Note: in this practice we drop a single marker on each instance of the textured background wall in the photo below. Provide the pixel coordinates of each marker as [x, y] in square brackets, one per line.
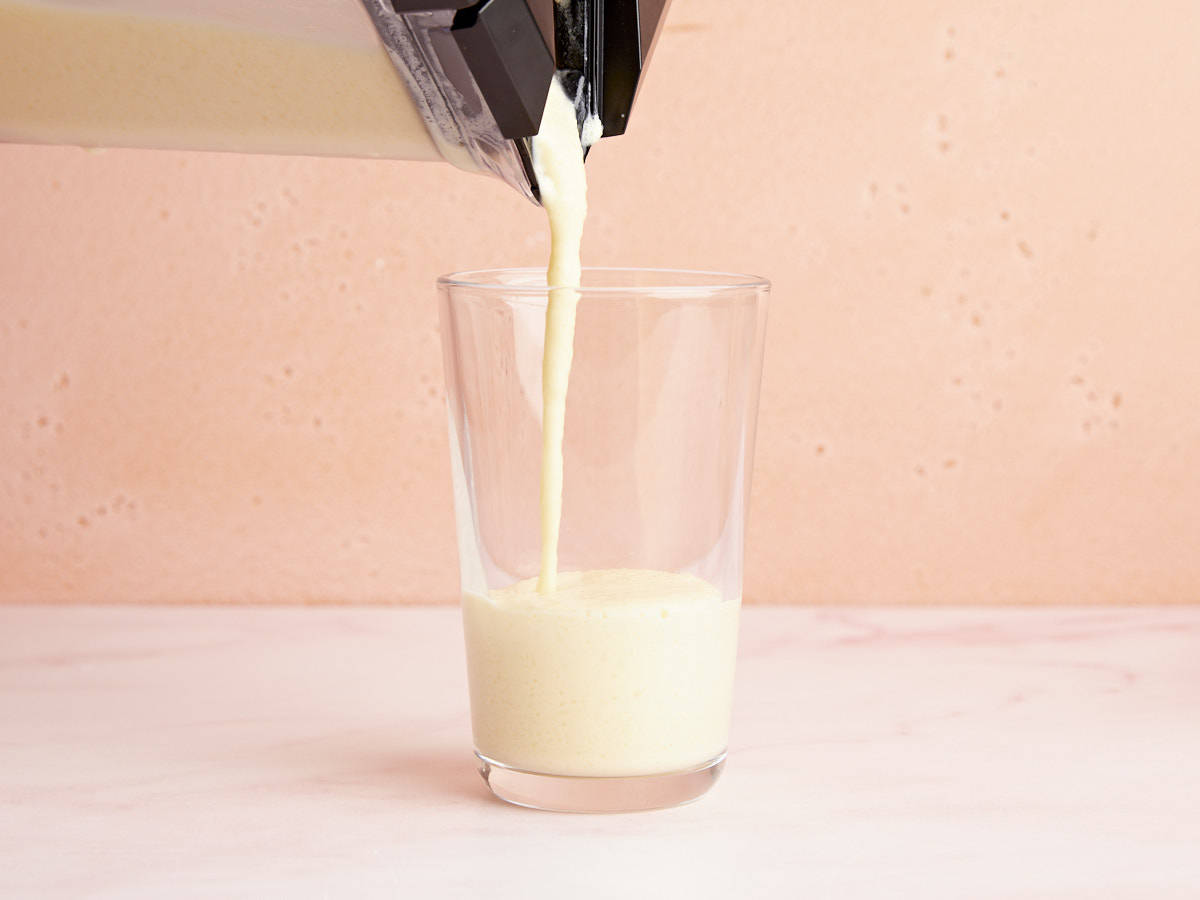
[220, 377]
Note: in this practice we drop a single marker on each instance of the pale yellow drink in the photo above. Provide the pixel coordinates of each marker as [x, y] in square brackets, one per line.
[598, 673]
[617, 673]
[562, 182]
[118, 73]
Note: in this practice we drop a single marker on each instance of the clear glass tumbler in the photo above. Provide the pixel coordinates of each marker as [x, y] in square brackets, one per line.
[614, 692]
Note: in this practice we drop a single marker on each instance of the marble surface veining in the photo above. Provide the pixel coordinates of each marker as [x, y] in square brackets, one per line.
[153, 752]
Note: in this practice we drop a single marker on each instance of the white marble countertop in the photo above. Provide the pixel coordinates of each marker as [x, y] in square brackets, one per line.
[159, 752]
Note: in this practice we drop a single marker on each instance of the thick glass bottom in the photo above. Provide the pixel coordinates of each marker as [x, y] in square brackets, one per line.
[572, 793]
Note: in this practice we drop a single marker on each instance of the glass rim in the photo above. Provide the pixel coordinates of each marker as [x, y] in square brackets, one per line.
[660, 281]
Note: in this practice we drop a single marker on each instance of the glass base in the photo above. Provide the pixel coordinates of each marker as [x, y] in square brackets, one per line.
[581, 794]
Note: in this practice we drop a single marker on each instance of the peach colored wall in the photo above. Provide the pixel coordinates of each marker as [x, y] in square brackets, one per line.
[220, 377]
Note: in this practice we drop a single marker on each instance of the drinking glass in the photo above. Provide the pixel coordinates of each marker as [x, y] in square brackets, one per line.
[614, 692]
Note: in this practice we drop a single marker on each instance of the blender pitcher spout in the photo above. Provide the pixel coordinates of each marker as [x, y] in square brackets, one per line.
[463, 81]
